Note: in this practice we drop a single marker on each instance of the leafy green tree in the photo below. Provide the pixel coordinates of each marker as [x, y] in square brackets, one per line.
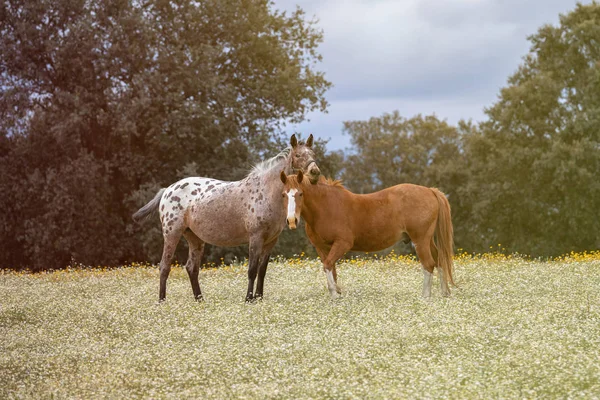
[534, 164]
[390, 149]
[101, 103]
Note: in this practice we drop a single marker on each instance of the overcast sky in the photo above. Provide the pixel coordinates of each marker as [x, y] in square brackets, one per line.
[448, 57]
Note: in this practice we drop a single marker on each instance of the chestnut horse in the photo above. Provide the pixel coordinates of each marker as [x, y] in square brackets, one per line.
[205, 210]
[338, 221]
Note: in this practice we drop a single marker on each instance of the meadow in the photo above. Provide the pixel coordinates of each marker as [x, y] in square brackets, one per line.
[515, 328]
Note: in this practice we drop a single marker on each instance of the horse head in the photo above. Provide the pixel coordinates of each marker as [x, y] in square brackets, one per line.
[293, 197]
[303, 158]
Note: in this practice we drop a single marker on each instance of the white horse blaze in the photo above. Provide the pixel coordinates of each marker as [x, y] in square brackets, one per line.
[291, 211]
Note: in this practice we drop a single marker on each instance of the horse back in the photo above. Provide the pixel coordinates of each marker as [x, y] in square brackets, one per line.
[380, 219]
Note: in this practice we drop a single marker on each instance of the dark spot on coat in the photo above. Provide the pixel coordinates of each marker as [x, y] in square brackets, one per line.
[210, 187]
[170, 223]
[162, 208]
[184, 185]
[260, 197]
[169, 194]
[176, 198]
[197, 184]
[252, 209]
[177, 187]
[194, 193]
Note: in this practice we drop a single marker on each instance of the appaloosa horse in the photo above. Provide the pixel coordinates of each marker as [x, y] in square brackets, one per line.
[220, 213]
[338, 221]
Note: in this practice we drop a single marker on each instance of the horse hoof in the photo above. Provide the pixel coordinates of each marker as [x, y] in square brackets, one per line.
[200, 299]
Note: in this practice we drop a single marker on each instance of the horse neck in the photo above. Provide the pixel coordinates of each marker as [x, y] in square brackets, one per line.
[270, 178]
[314, 198]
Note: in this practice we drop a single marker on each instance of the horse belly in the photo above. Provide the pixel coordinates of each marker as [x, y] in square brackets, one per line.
[379, 233]
[218, 222]
[375, 242]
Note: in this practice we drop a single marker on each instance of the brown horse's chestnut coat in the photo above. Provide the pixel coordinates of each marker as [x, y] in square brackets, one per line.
[338, 221]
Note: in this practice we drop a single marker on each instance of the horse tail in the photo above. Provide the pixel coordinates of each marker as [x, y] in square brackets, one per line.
[150, 208]
[444, 236]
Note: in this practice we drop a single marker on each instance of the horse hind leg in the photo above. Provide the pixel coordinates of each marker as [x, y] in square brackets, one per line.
[196, 250]
[171, 240]
[443, 281]
[428, 263]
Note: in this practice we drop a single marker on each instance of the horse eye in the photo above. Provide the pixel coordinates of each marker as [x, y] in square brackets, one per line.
[301, 194]
[282, 194]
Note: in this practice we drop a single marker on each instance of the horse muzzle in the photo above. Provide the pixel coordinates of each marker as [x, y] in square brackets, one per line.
[292, 222]
[313, 173]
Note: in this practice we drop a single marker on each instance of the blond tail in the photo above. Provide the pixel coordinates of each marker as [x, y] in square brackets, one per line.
[444, 236]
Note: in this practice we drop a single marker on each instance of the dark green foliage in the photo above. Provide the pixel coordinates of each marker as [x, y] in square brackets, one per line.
[392, 150]
[534, 165]
[102, 103]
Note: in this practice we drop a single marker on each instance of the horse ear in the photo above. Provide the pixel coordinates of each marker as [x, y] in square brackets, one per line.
[294, 141]
[309, 142]
[300, 177]
[283, 177]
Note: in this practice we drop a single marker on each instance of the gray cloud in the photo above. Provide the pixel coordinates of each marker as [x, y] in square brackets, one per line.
[453, 55]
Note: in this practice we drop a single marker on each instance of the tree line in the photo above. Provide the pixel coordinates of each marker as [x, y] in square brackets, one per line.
[102, 103]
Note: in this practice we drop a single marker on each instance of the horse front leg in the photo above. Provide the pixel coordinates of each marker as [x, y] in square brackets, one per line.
[338, 249]
[256, 246]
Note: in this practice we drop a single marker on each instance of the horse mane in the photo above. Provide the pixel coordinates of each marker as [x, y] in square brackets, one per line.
[331, 182]
[271, 162]
[293, 182]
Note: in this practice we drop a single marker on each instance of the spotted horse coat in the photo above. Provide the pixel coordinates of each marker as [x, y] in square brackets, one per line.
[222, 213]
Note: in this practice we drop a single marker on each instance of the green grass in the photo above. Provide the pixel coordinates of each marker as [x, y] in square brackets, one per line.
[515, 329]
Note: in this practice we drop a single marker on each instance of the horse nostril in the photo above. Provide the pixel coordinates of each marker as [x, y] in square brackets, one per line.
[296, 221]
[287, 221]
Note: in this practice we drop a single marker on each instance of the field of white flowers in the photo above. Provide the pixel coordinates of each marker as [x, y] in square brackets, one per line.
[514, 329]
